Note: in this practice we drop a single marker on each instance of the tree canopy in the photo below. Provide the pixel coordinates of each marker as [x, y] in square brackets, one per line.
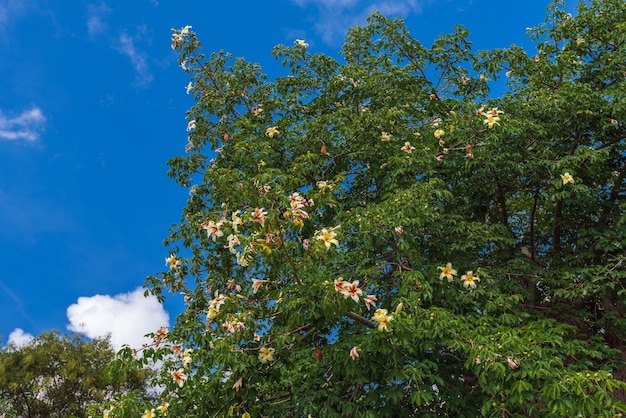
[380, 235]
[60, 376]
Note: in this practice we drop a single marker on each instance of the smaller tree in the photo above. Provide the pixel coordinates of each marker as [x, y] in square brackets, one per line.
[60, 376]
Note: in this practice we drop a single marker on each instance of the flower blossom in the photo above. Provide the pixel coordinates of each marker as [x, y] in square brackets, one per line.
[217, 301]
[354, 352]
[163, 408]
[189, 87]
[266, 354]
[513, 363]
[382, 318]
[271, 131]
[172, 261]
[447, 272]
[469, 280]
[256, 283]
[179, 377]
[567, 178]
[191, 125]
[385, 137]
[339, 284]
[161, 334]
[259, 216]
[328, 237]
[238, 384]
[233, 241]
[407, 147]
[439, 133]
[148, 413]
[491, 120]
[301, 43]
[370, 301]
[257, 110]
[213, 229]
[187, 358]
[351, 290]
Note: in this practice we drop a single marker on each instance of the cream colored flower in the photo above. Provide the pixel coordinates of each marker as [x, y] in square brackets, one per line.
[351, 290]
[382, 318]
[272, 131]
[370, 301]
[301, 43]
[179, 377]
[256, 283]
[354, 352]
[447, 272]
[257, 110]
[385, 137]
[469, 280]
[172, 261]
[328, 237]
[238, 384]
[266, 354]
[191, 125]
[491, 120]
[259, 215]
[439, 133]
[567, 178]
[408, 148]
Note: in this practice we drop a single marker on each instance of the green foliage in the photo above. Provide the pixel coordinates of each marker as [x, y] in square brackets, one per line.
[325, 205]
[60, 376]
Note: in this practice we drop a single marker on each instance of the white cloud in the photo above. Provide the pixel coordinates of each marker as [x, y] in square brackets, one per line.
[126, 44]
[19, 338]
[334, 17]
[26, 126]
[126, 317]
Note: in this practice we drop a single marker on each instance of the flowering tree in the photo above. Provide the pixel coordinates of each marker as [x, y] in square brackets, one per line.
[60, 376]
[380, 236]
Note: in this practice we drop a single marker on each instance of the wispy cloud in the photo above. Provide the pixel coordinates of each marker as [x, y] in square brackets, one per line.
[26, 126]
[334, 17]
[126, 45]
[10, 10]
[96, 15]
[126, 317]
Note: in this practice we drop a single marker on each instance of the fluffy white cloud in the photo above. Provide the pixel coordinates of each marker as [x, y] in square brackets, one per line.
[334, 17]
[26, 126]
[126, 317]
[19, 338]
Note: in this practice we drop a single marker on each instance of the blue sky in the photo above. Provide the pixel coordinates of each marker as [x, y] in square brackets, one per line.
[92, 105]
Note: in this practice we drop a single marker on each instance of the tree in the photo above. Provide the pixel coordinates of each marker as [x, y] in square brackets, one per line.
[60, 376]
[381, 236]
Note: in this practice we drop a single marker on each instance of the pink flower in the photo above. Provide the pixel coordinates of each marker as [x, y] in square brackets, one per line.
[259, 216]
[370, 301]
[339, 284]
[238, 384]
[179, 377]
[256, 283]
[354, 352]
[352, 290]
